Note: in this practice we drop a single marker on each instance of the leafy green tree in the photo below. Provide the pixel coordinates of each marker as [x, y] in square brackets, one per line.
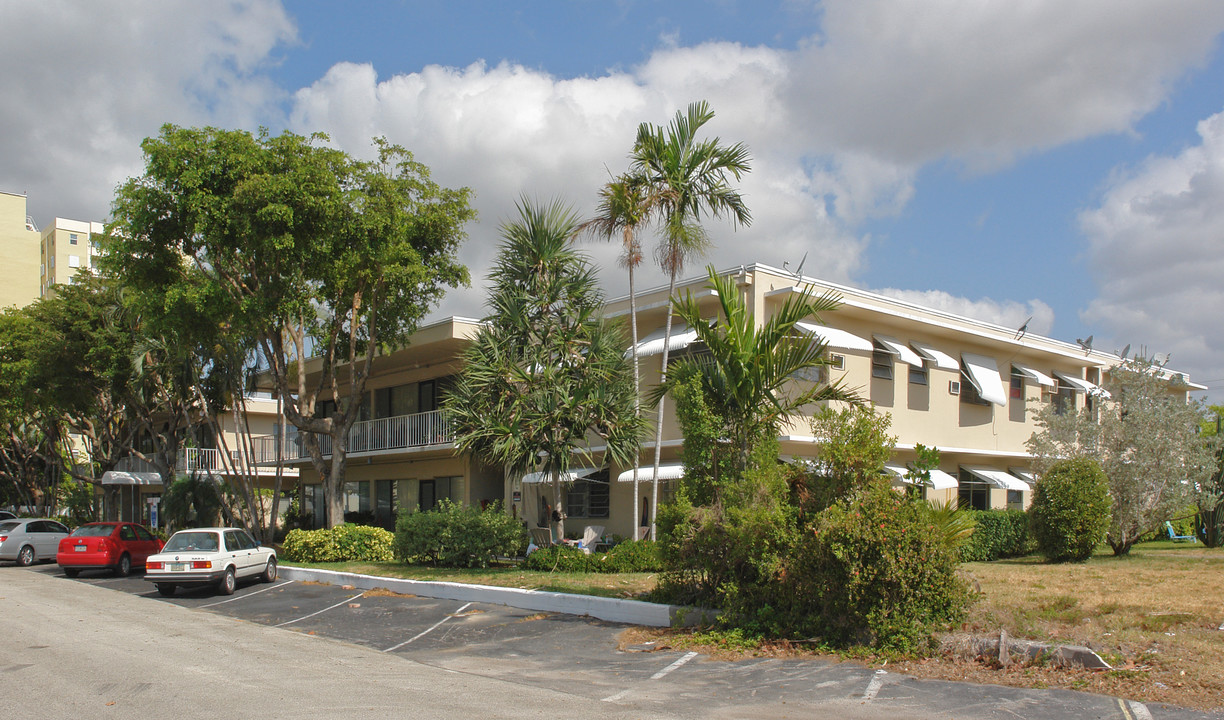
[624, 208]
[314, 258]
[1145, 437]
[685, 178]
[750, 375]
[546, 375]
[853, 445]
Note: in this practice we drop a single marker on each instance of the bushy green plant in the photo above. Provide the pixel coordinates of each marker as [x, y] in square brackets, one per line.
[1071, 510]
[626, 557]
[344, 543]
[954, 525]
[873, 570]
[997, 534]
[454, 536]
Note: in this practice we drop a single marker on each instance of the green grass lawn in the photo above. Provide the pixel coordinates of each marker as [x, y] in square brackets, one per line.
[623, 585]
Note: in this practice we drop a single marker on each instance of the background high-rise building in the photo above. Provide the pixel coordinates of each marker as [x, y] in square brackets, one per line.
[68, 246]
[19, 249]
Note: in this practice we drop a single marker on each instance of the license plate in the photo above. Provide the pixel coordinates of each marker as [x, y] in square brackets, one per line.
[79, 548]
[176, 567]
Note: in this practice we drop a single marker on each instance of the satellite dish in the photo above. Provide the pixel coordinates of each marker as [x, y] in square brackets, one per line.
[1124, 352]
[799, 270]
[1023, 328]
[1086, 344]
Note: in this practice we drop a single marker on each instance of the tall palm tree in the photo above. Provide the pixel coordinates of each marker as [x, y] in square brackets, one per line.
[748, 377]
[685, 178]
[623, 211]
[546, 372]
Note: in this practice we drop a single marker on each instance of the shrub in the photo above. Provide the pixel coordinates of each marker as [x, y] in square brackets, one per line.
[632, 556]
[345, 543]
[454, 536]
[997, 534]
[1071, 510]
[873, 570]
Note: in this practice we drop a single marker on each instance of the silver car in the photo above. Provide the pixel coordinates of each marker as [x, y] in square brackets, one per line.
[30, 540]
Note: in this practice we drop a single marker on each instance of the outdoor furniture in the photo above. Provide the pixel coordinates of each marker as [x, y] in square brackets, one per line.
[1178, 538]
[541, 537]
[590, 537]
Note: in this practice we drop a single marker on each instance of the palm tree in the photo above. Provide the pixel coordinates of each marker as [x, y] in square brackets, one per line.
[546, 372]
[685, 178]
[623, 210]
[748, 377]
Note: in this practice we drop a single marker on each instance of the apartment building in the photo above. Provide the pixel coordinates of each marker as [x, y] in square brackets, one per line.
[67, 247]
[19, 247]
[965, 387]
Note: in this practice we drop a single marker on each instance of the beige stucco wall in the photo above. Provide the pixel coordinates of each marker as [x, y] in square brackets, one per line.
[19, 253]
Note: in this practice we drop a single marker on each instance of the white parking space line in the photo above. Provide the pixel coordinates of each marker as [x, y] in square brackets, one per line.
[423, 633]
[320, 612]
[873, 687]
[247, 595]
[662, 673]
[673, 666]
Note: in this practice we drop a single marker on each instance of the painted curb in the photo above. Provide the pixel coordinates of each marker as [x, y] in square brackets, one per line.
[631, 612]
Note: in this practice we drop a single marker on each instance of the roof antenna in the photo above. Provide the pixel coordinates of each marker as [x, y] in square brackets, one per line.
[1023, 328]
[799, 270]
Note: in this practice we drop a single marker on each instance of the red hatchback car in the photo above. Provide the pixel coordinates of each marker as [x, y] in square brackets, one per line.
[114, 545]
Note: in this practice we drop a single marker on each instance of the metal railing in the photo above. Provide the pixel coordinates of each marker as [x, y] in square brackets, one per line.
[210, 460]
[393, 433]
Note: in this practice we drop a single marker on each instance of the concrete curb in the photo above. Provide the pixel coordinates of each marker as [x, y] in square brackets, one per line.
[632, 612]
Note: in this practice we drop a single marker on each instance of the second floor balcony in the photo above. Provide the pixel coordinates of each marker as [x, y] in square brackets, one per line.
[401, 432]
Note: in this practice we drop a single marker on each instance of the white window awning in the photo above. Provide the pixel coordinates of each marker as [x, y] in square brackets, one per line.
[998, 478]
[667, 471]
[939, 358]
[1037, 375]
[1024, 475]
[940, 480]
[983, 372]
[681, 337]
[118, 477]
[899, 350]
[836, 339]
[1082, 385]
[571, 476]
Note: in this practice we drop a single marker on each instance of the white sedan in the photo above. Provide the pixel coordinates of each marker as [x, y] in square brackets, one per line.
[206, 556]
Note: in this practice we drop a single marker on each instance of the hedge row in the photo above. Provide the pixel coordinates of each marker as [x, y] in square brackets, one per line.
[455, 536]
[344, 543]
[997, 534]
[631, 556]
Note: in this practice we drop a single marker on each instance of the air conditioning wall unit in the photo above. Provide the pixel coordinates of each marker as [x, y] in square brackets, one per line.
[954, 387]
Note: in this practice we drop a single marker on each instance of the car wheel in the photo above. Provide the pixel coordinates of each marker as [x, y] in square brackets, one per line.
[166, 589]
[228, 582]
[71, 572]
[269, 573]
[124, 568]
[25, 556]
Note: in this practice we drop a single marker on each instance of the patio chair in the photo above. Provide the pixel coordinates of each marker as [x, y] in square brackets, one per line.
[541, 537]
[590, 536]
[1178, 538]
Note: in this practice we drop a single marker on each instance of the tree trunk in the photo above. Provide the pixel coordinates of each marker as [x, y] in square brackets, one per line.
[658, 449]
[560, 514]
[637, 402]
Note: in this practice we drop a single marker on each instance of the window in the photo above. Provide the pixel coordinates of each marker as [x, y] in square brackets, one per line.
[811, 374]
[881, 365]
[356, 502]
[918, 374]
[1017, 386]
[588, 498]
[1015, 500]
[837, 362]
[74, 261]
[972, 493]
[969, 394]
[1063, 399]
[72, 238]
[396, 401]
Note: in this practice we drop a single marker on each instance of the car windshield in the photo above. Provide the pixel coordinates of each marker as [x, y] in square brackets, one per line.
[5, 527]
[191, 541]
[93, 531]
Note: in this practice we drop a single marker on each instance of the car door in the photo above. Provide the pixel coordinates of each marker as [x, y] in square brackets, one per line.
[240, 547]
[53, 532]
[144, 545]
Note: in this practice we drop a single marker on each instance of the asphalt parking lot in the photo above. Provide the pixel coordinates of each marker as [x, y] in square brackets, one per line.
[580, 656]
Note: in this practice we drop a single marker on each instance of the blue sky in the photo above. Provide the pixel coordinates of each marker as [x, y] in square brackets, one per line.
[1057, 160]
